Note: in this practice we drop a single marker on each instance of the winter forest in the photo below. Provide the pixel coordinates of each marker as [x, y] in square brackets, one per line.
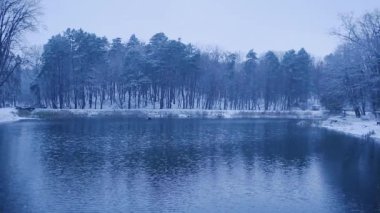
[81, 70]
[78, 69]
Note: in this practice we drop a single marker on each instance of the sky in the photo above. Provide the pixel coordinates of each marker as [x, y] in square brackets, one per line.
[231, 25]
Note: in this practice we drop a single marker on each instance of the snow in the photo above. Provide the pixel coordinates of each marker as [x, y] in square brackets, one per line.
[174, 113]
[8, 115]
[365, 127]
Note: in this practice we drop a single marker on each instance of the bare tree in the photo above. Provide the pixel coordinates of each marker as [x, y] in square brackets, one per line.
[16, 18]
[362, 36]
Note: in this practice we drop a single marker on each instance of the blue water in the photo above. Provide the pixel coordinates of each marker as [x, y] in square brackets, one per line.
[175, 165]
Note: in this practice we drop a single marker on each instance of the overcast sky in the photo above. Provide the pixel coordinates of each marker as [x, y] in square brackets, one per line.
[233, 25]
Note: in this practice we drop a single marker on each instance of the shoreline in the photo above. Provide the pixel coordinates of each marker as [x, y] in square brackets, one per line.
[174, 113]
[9, 115]
[363, 128]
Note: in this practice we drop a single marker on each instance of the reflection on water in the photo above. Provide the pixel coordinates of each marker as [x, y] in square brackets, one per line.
[173, 165]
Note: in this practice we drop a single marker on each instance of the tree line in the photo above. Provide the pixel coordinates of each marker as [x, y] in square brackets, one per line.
[82, 70]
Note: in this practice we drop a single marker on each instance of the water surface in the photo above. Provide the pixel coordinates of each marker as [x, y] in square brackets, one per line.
[175, 165]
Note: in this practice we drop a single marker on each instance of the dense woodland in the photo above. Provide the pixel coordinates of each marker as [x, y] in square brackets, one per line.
[78, 69]
[81, 70]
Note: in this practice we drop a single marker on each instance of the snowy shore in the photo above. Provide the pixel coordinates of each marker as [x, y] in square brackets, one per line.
[365, 127]
[360, 127]
[11, 114]
[173, 113]
[8, 115]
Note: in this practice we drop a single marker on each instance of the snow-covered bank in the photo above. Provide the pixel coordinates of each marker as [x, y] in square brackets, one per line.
[359, 127]
[8, 115]
[173, 113]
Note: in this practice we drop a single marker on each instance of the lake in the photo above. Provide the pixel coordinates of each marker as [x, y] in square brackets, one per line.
[184, 165]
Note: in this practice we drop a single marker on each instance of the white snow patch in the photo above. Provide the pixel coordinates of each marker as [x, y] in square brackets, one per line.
[8, 115]
[365, 127]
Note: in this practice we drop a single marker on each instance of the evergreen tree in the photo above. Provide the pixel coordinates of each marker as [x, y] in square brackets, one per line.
[270, 68]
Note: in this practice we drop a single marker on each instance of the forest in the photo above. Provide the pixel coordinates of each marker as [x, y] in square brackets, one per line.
[79, 70]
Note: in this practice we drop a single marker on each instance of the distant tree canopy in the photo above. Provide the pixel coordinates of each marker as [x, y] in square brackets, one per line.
[81, 70]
